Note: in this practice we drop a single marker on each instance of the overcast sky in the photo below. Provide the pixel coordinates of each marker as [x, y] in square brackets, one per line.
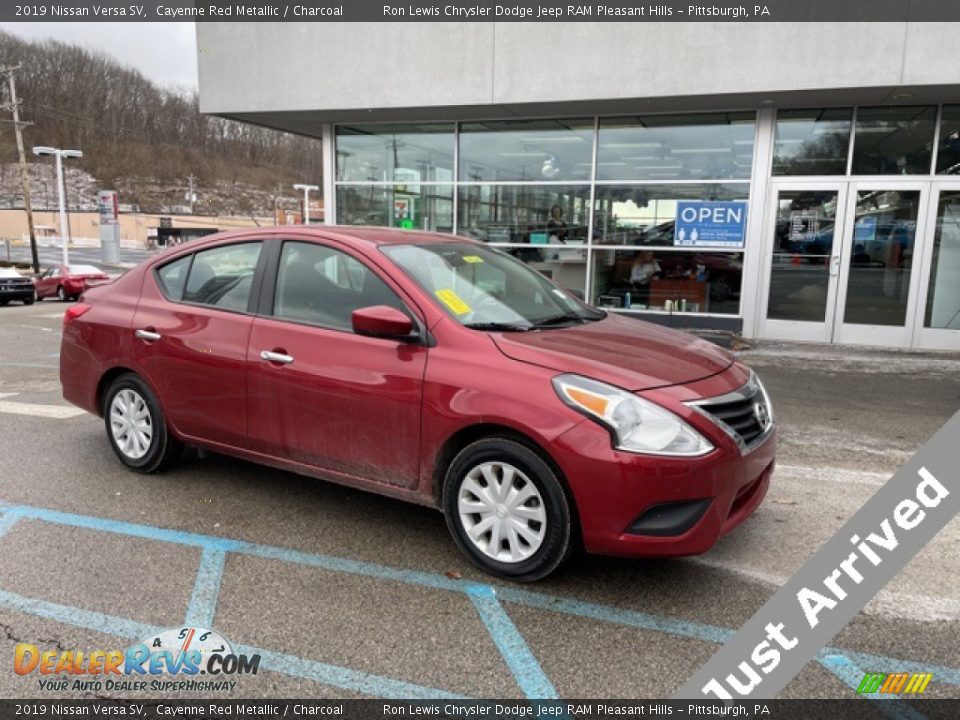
[164, 52]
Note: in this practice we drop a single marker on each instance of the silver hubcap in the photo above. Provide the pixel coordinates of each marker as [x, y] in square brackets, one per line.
[131, 424]
[502, 512]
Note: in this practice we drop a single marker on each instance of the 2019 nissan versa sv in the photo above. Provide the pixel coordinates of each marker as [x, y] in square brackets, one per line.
[432, 369]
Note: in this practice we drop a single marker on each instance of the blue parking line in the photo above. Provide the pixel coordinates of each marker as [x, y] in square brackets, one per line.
[510, 594]
[206, 589]
[7, 521]
[890, 705]
[292, 665]
[516, 653]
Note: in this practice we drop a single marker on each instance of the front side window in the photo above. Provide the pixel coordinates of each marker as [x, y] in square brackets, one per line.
[487, 289]
[322, 286]
[222, 277]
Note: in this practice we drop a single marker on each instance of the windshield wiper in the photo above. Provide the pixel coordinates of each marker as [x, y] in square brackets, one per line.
[498, 326]
[561, 318]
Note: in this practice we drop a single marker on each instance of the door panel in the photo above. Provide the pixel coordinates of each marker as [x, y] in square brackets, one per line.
[346, 403]
[938, 311]
[323, 395]
[194, 353]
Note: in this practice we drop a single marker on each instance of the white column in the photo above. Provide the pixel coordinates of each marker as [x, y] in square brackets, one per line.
[329, 170]
[754, 263]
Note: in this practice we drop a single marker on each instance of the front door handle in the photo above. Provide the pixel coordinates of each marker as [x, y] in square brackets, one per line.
[276, 357]
[148, 335]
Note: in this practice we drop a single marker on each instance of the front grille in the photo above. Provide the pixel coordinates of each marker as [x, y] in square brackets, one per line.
[744, 413]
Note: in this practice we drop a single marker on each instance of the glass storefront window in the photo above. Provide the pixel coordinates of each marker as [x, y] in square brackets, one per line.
[948, 150]
[414, 207]
[678, 147]
[668, 280]
[531, 150]
[403, 152]
[943, 296]
[528, 214]
[881, 257]
[646, 214]
[894, 140]
[812, 142]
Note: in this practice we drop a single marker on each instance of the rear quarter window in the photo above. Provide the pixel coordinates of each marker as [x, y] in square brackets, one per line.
[173, 276]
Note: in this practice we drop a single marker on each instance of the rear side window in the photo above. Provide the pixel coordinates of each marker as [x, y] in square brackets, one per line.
[173, 277]
[222, 277]
[322, 286]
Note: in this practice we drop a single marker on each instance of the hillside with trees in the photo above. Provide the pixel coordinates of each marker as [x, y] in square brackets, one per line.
[141, 139]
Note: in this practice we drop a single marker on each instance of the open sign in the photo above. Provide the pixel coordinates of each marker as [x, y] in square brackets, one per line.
[710, 223]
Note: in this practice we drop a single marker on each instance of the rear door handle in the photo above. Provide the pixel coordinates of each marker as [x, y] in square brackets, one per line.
[148, 335]
[276, 357]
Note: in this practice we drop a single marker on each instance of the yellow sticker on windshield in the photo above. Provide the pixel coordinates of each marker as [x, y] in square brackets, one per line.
[472, 259]
[453, 301]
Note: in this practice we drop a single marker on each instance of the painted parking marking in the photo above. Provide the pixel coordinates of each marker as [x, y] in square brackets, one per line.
[292, 665]
[509, 594]
[206, 588]
[513, 648]
[56, 412]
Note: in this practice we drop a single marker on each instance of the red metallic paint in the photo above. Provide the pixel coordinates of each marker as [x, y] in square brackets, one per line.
[377, 413]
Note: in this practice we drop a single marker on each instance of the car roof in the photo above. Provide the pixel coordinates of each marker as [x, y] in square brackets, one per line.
[349, 234]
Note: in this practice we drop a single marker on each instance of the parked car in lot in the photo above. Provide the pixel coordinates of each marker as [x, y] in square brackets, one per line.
[67, 282]
[433, 369]
[14, 286]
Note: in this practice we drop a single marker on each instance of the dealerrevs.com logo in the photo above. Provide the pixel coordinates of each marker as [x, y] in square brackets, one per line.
[170, 661]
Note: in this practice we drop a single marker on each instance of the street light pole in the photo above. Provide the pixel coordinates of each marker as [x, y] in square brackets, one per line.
[306, 199]
[60, 155]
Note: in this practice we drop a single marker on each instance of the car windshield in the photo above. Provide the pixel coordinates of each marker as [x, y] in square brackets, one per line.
[84, 270]
[486, 289]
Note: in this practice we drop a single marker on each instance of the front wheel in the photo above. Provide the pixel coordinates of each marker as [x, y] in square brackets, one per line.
[136, 427]
[62, 294]
[506, 510]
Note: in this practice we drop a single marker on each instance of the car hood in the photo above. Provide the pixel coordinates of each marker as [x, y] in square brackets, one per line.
[631, 354]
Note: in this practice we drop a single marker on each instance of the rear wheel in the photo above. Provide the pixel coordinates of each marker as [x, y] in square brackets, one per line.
[29, 300]
[136, 427]
[62, 294]
[506, 510]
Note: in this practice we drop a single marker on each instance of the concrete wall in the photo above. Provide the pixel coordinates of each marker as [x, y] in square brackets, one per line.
[337, 71]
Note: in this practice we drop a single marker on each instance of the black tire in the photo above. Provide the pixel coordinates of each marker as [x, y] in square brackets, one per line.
[62, 294]
[557, 538]
[164, 449]
[3, 303]
[29, 300]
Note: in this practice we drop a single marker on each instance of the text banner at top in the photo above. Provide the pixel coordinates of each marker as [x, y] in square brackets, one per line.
[480, 11]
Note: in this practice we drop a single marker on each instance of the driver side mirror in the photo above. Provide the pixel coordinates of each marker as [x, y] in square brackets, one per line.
[383, 321]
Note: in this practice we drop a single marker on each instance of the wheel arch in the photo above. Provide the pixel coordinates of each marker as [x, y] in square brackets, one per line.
[481, 431]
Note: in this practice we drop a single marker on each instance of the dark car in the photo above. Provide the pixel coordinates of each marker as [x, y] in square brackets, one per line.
[14, 286]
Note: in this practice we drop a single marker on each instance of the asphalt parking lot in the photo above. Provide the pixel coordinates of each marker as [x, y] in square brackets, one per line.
[346, 594]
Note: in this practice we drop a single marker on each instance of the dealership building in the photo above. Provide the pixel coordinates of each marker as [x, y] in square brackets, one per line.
[796, 181]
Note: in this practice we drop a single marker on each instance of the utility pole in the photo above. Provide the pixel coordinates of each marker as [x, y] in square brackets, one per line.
[24, 175]
[190, 196]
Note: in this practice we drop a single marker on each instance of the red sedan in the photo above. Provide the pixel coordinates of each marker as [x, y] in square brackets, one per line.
[67, 282]
[432, 369]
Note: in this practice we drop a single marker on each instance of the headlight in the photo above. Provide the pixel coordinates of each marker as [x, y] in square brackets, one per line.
[637, 425]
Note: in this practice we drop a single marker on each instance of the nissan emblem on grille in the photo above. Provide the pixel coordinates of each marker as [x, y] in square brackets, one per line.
[763, 416]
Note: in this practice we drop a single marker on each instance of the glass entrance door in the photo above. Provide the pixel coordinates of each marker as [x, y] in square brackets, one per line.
[878, 286]
[938, 309]
[841, 262]
[803, 261]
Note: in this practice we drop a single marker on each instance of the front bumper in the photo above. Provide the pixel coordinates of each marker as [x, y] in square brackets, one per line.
[647, 506]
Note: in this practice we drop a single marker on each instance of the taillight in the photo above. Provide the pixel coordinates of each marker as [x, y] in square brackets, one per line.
[75, 311]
